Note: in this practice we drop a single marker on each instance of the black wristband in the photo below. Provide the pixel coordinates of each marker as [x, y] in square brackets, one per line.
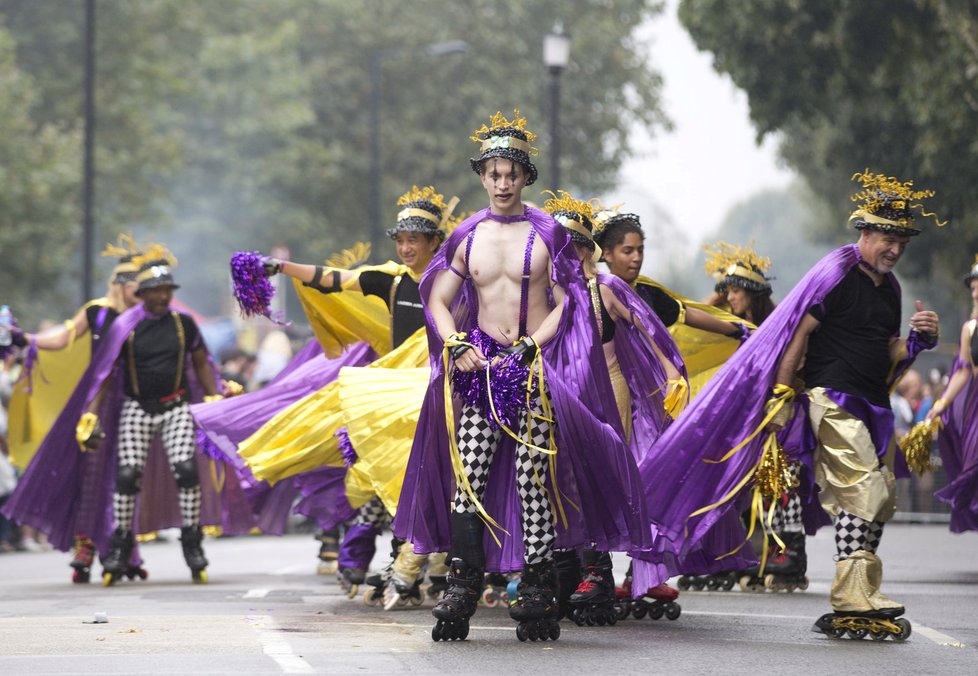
[317, 279]
[525, 348]
[458, 350]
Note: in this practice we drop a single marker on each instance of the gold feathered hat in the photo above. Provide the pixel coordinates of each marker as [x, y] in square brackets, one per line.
[732, 265]
[156, 265]
[887, 204]
[125, 250]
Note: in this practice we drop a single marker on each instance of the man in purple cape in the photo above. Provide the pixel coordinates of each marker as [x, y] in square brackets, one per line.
[844, 317]
[508, 322]
[98, 406]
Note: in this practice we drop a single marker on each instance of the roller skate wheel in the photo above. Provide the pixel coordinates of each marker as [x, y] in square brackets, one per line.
[416, 600]
[729, 582]
[200, 577]
[327, 568]
[489, 598]
[656, 611]
[463, 631]
[522, 633]
[684, 583]
[554, 631]
[712, 583]
[108, 579]
[878, 635]
[640, 610]
[371, 598]
[905, 629]
[577, 615]
[857, 634]
[744, 583]
[769, 581]
[81, 576]
[533, 632]
[673, 611]
[436, 631]
[623, 609]
[803, 585]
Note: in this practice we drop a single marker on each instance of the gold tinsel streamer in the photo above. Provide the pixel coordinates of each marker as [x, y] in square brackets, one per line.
[416, 194]
[566, 202]
[916, 445]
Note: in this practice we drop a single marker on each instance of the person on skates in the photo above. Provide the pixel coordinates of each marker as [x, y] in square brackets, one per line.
[513, 343]
[840, 327]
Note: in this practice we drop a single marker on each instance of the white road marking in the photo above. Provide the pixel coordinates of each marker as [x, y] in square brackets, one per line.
[937, 637]
[277, 647]
[256, 593]
[289, 570]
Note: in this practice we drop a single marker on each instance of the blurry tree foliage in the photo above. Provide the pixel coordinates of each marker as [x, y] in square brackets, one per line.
[239, 124]
[891, 85]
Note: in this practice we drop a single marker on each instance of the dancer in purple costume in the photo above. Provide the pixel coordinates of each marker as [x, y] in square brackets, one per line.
[114, 428]
[844, 317]
[958, 407]
[539, 443]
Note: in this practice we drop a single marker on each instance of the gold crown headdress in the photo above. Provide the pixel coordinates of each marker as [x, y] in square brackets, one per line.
[888, 204]
[426, 194]
[154, 263]
[725, 260]
[563, 206]
[126, 250]
[484, 135]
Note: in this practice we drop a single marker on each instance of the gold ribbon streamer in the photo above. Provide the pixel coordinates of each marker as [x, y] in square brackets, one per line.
[217, 478]
[677, 397]
[460, 476]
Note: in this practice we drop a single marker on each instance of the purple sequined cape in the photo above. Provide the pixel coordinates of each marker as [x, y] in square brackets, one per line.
[595, 470]
[725, 412]
[959, 453]
[65, 492]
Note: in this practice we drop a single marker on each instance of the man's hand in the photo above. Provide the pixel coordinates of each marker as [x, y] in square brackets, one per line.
[88, 432]
[272, 266]
[784, 397]
[466, 357]
[925, 322]
[525, 349]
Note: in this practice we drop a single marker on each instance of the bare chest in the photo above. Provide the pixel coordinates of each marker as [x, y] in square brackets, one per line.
[504, 253]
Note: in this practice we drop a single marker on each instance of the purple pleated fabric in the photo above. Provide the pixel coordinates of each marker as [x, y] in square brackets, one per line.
[323, 498]
[959, 452]
[65, 491]
[594, 469]
[725, 412]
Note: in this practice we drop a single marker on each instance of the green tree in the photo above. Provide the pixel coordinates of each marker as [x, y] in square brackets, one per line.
[891, 85]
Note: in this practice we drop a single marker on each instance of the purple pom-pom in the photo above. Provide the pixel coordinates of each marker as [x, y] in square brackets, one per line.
[508, 384]
[251, 286]
[346, 447]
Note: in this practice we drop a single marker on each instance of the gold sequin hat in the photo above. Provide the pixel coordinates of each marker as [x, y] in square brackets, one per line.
[887, 204]
[739, 266]
[155, 268]
[423, 211]
[575, 216]
[126, 250]
[505, 138]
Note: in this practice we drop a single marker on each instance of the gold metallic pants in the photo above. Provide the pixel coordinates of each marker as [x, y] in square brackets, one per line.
[622, 398]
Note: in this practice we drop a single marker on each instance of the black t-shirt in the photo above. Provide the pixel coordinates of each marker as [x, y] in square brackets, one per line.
[850, 350]
[156, 349]
[97, 328]
[407, 315]
[974, 345]
[662, 304]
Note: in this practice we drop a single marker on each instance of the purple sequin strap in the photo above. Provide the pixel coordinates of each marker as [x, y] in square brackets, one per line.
[525, 285]
[509, 219]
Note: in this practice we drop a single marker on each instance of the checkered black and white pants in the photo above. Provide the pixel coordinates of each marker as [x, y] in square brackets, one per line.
[853, 534]
[372, 513]
[136, 431]
[477, 444]
[788, 514]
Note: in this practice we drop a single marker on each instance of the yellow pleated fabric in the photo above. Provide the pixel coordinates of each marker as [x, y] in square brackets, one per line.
[380, 410]
[341, 319]
[301, 437]
[31, 414]
[703, 352]
[359, 490]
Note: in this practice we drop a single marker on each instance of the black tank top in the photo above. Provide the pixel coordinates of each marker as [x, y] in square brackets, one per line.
[974, 343]
[607, 325]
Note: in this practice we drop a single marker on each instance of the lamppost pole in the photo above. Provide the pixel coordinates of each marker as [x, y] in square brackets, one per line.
[376, 177]
[556, 56]
[88, 166]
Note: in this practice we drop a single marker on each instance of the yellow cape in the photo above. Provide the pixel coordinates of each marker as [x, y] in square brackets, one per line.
[703, 352]
[31, 414]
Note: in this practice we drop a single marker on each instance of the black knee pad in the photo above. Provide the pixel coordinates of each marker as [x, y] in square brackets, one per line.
[186, 474]
[127, 480]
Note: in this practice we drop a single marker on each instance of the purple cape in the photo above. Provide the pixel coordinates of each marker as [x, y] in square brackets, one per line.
[65, 492]
[594, 469]
[959, 452]
[225, 424]
[726, 411]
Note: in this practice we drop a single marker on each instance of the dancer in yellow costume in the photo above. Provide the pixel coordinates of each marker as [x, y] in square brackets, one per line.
[376, 418]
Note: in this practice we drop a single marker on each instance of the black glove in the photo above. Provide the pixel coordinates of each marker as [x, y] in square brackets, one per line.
[459, 349]
[272, 266]
[741, 331]
[525, 348]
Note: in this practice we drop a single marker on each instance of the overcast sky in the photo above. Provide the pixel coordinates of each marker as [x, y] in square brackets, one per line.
[709, 163]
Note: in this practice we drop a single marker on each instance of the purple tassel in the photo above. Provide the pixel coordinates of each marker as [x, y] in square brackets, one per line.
[251, 286]
[208, 447]
[346, 447]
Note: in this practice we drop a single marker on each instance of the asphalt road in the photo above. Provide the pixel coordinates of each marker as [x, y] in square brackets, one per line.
[265, 611]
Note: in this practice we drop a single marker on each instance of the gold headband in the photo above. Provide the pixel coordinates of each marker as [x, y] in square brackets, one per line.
[863, 215]
[409, 212]
[506, 142]
[736, 270]
[577, 227]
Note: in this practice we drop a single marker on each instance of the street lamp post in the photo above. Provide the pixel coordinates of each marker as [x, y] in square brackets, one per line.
[377, 57]
[556, 55]
[88, 163]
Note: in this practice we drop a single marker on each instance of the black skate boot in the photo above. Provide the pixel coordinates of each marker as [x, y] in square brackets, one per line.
[785, 571]
[593, 602]
[535, 607]
[193, 553]
[82, 562]
[376, 582]
[458, 603]
[116, 562]
[568, 566]
[437, 584]
[329, 552]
